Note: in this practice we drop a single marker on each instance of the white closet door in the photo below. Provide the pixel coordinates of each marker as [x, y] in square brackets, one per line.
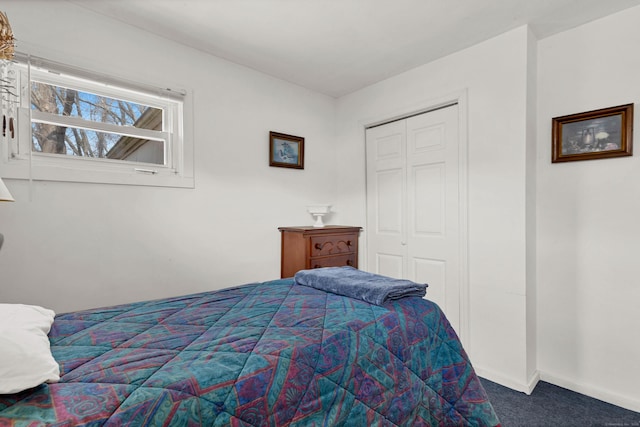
[432, 207]
[412, 204]
[386, 197]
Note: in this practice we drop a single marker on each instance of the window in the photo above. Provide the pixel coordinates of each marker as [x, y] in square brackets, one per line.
[79, 126]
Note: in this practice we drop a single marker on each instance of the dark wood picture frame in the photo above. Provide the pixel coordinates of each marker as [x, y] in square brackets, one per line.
[597, 134]
[286, 151]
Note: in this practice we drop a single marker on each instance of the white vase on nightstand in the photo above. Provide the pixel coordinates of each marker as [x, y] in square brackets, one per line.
[318, 211]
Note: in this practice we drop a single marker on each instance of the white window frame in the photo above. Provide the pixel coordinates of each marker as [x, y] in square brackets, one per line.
[21, 162]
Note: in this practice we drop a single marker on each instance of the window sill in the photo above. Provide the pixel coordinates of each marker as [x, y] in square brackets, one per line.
[142, 175]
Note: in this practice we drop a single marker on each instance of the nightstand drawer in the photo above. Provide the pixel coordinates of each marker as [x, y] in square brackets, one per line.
[332, 245]
[334, 261]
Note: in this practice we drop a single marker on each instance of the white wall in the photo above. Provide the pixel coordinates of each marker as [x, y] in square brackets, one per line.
[588, 228]
[70, 246]
[493, 78]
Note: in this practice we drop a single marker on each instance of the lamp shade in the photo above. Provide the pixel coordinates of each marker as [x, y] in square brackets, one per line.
[5, 196]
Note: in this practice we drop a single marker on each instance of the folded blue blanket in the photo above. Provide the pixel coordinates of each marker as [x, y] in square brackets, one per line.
[354, 283]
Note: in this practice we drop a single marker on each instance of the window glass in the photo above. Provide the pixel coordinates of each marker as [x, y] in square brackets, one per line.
[71, 141]
[57, 102]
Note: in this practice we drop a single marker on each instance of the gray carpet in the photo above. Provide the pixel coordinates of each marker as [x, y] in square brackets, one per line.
[554, 406]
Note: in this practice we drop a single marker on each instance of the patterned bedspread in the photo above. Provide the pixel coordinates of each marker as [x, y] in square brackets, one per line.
[264, 354]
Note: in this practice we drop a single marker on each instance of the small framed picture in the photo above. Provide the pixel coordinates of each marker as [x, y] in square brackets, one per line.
[597, 134]
[286, 151]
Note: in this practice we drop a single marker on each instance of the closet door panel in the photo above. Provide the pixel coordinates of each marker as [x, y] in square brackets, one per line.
[388, 202]
[389, 264]
[386, 199]
[432, 206]
[428, 199]
[433, 272]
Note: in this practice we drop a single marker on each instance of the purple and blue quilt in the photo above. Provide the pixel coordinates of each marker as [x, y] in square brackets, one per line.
[263, 354]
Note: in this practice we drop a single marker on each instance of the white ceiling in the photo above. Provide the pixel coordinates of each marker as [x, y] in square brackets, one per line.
[338, 46]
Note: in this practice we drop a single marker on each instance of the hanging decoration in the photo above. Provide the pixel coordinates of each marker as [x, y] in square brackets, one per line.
[7, 42]
[8, 82]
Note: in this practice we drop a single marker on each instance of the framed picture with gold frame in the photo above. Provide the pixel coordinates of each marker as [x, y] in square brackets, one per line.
[597, 134]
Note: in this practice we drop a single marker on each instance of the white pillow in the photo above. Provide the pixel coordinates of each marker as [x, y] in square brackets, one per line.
[25, 355]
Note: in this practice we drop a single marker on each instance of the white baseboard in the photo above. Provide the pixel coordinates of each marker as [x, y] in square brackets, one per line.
[597, 393]
[526, 388]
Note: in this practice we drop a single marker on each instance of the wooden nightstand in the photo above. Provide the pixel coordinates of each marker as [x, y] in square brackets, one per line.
[304, 248]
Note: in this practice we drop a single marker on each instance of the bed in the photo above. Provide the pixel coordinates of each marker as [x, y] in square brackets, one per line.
[263, 354]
